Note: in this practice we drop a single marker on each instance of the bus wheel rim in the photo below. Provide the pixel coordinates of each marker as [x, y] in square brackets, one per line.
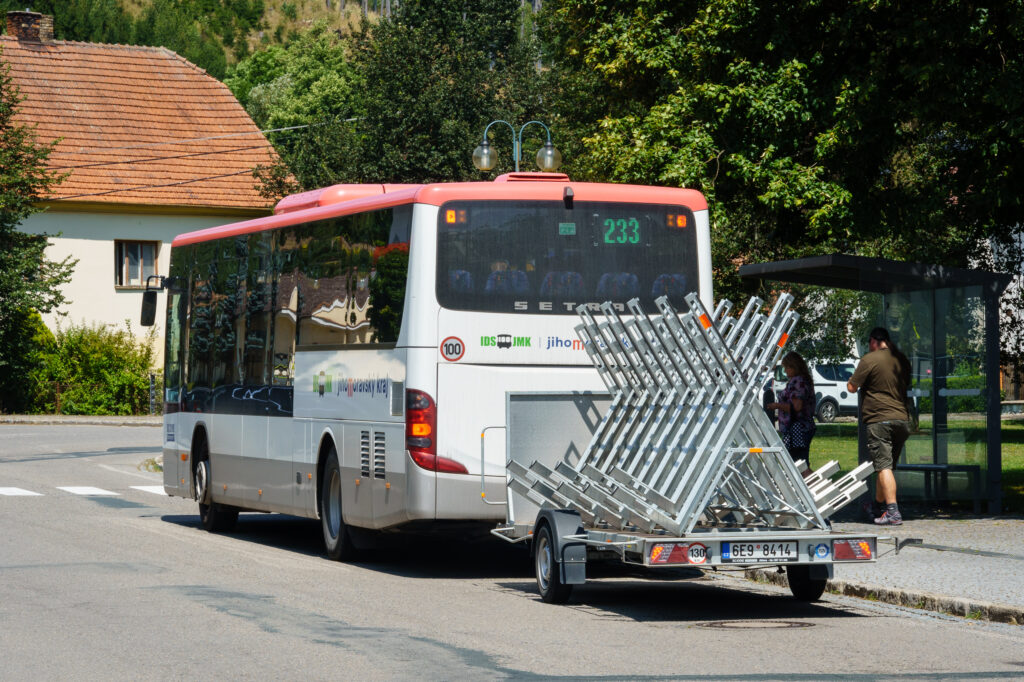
[544, 562]
[334, 505]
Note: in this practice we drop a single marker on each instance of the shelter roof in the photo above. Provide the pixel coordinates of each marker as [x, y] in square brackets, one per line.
[879, 275]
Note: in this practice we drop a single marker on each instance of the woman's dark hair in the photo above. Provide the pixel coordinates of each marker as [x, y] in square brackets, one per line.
[799, 365]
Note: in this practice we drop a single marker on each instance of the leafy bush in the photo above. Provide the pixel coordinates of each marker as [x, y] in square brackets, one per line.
[28, 343]
[96, 369]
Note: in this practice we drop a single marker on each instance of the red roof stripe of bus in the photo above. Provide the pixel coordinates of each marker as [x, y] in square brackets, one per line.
[438, 194]
[372, 203]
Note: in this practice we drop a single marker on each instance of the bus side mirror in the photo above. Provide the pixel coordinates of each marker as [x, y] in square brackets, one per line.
[148, 307]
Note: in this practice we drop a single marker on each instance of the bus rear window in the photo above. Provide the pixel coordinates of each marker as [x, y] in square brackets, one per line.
[544, 258]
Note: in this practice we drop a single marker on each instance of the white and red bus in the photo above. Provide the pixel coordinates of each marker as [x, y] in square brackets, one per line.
[340, 359]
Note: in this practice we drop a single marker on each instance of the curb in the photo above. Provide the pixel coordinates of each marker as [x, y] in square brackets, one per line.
[77, 420]
[929, 601]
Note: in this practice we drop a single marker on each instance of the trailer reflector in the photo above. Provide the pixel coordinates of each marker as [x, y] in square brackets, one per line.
[852, 550]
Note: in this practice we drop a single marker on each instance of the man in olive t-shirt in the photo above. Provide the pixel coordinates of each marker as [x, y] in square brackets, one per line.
[884, 376]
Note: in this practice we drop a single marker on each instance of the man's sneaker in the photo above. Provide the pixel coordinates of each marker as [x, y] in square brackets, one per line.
[889, 519]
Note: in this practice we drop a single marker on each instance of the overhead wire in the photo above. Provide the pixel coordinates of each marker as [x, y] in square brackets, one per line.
[160, 158]
[183, 141]
[138, 187]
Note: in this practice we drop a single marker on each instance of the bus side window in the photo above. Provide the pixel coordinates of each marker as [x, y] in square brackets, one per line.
[389, 276]
[286, 308]
[258, 291]
[200, 327]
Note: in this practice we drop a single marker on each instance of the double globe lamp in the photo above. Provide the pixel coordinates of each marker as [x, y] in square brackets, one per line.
[549, 159]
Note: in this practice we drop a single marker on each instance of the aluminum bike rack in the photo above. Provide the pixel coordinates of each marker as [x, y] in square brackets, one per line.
[685, 443]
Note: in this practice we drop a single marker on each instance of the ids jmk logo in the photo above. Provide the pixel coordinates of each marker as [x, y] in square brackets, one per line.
[321, 383]
[506, 341]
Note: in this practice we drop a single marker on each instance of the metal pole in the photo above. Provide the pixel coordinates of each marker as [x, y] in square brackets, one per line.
[152, 393]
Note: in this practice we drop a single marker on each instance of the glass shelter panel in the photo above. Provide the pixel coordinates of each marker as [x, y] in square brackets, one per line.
[942, 332]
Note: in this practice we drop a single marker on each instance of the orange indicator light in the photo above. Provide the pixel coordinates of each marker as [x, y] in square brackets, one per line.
[449, 217]
[184, 457]
[420, 429]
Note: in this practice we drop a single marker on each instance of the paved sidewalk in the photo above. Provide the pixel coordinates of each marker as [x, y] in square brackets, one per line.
[970, 566]
[71, 419]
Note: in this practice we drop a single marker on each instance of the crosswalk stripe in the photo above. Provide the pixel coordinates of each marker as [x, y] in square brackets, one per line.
[17, 491]
[87, 490]
[155, 489]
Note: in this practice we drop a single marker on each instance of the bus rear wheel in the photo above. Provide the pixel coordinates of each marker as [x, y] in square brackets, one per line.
[213, 517]
[337, 539]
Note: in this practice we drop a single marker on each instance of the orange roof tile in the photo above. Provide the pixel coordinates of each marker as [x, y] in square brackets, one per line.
[139, 125]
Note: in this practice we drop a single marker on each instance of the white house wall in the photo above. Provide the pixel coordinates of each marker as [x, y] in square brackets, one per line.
[89, 237]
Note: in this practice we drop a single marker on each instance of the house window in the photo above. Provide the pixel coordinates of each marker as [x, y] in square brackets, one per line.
[134, 262]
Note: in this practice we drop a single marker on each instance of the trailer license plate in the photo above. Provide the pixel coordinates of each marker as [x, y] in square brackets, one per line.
[758, 552]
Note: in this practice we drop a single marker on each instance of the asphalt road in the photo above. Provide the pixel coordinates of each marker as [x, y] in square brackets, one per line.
[128, 586]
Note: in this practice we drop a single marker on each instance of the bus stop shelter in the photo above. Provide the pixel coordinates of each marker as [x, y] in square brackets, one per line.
[946, 320]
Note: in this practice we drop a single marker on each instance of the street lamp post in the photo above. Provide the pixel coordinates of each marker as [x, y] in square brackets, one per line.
[548, 156]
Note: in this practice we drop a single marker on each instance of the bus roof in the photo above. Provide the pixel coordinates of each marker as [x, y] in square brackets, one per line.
[340, 200]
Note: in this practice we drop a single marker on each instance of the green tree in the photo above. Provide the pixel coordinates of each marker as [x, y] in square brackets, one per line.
[404, 100]
[879, 128]
[434, 74]
[180, 27]
[29, 282]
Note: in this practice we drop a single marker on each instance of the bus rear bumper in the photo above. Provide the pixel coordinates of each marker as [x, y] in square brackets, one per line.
[459, 497]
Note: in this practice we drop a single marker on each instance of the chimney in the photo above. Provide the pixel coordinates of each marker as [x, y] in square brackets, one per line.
[30, 26]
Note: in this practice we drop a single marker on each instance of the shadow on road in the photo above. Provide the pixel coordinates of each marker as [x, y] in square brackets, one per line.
[705, 601]
[612, 588]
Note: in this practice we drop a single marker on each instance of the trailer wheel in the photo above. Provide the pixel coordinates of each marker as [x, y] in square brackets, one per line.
[802, 585]
[549, 576]
[336, 536]
[213, 516]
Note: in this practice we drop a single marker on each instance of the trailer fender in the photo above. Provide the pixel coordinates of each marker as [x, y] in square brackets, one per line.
[571, 555]
[821, 571]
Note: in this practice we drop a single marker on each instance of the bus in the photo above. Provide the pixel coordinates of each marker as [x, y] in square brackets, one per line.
[344, 358]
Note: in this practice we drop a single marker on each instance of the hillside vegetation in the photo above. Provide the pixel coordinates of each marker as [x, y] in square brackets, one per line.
[213, 34]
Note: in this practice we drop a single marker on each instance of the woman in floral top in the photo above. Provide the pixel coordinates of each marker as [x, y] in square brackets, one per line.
[796, 408]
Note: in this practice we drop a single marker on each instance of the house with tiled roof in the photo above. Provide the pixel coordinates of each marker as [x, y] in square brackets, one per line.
[152, 147]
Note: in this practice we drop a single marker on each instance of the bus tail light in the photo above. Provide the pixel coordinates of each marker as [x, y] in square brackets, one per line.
[421, 434]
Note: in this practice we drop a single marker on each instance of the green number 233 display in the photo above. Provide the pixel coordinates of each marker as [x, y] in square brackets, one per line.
[622, 231]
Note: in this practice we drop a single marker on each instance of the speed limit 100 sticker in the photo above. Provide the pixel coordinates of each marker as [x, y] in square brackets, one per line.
[452, 349]
[697, 553]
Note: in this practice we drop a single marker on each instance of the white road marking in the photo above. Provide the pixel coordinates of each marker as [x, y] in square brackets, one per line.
[155, 489]
[17, 491]
[86, 490]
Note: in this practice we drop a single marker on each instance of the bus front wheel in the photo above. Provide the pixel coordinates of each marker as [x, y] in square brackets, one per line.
[336, 536]
[212, 516]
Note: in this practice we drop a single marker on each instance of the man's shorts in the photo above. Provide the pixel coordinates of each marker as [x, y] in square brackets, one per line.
[885, 442]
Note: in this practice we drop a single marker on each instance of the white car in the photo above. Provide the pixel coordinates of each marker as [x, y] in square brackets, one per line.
[831, 397]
